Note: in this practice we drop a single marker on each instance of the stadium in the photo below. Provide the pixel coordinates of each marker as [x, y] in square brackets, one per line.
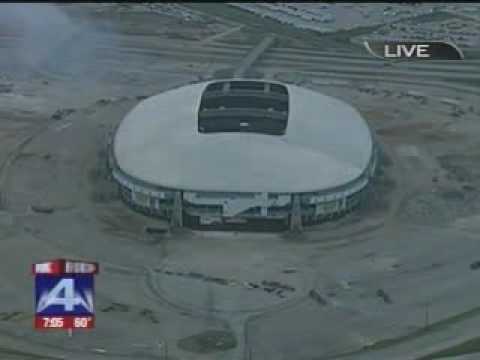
[242, 151]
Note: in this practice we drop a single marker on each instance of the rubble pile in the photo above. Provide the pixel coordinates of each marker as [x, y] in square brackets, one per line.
[272, 287]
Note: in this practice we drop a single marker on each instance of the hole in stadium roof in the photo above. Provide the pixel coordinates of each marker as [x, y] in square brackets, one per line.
[244, 106]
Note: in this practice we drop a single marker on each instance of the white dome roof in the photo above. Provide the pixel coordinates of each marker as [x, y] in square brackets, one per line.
[326, 144]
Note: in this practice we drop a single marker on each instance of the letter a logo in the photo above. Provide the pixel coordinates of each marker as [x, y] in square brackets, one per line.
[63, 294]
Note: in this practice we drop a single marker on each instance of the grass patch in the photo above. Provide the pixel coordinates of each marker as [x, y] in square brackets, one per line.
[435, 327]
[208, 342]
[471, 346]
[438, 326]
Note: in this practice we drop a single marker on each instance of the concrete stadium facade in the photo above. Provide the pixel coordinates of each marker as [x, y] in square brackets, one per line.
[295, 157]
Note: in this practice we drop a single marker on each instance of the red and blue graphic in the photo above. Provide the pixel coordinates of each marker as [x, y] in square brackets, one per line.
[64, 294]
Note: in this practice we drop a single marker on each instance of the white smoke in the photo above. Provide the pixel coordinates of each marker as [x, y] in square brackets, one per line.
[48, 39]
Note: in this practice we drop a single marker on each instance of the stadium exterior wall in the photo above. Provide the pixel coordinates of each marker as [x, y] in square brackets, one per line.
[212, 208]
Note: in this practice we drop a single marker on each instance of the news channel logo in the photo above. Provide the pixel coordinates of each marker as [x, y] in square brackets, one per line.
[64, 294]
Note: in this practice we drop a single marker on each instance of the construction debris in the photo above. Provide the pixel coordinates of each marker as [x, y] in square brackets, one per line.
[314, 294]
[42, 209]
[62, 113]
[271, 287]
[475, 265]
[384, 296]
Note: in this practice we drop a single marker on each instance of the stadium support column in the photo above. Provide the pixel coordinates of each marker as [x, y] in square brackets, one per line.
[296, 217]
[176, 220]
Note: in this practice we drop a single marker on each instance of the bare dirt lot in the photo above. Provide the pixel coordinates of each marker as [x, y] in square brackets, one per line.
[390, 281]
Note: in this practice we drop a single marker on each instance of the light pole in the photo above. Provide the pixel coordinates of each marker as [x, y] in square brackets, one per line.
[427, 315]
[162, 349]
